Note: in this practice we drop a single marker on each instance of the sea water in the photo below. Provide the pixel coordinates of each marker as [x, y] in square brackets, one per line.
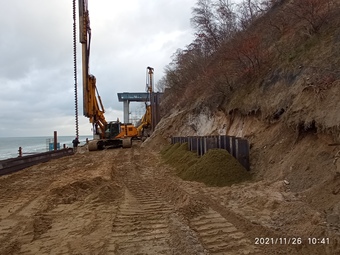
[9, 146]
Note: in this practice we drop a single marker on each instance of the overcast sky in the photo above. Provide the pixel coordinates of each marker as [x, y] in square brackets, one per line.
[36, 58]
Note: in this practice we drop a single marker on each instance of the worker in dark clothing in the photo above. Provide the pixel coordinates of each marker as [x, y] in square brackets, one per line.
[75, 143]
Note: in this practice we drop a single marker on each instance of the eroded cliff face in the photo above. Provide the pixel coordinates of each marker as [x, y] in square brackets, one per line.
[291, 145]
[289, 122]
[277, 146]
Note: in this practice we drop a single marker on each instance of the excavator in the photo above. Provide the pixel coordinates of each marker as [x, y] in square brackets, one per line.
[111, 134]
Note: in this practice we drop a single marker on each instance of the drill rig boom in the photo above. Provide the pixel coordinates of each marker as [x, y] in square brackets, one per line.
[109, 134]
[92, 104]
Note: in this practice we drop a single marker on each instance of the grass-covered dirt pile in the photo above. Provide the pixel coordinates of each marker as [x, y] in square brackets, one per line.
[216, 168]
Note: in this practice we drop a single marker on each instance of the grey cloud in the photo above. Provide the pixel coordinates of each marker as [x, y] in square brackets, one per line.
[36, 74]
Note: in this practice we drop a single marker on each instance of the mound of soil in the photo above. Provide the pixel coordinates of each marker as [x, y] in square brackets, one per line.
[93, 190]
[216, 168]
[179, 156]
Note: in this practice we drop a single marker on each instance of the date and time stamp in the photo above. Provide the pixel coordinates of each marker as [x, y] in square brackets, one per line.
[292, 241]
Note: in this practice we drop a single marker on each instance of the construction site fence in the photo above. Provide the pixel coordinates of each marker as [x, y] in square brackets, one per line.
[12, 165]
[236, 146]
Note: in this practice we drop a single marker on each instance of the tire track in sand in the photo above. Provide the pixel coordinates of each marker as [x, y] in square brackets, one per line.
[220, 236]
[140, 227]
[145, 223]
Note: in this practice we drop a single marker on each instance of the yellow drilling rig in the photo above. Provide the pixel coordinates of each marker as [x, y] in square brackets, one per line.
[106, 134]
